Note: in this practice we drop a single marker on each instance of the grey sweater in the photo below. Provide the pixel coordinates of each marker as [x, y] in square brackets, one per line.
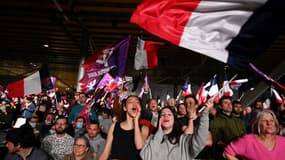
[188, 147]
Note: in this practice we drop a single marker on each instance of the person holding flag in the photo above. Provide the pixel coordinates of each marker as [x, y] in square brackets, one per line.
[82, 109]
[224, 127]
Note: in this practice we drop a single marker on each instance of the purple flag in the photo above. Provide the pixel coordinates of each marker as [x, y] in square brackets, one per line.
[120, 55]
[105, 81]
[114, 56]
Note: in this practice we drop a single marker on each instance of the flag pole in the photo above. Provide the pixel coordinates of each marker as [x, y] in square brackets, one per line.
[180, 92]
[84, 53]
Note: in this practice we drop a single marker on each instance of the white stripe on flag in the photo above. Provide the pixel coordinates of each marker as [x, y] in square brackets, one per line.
[140, 56]
[213, 25]
[32, 84]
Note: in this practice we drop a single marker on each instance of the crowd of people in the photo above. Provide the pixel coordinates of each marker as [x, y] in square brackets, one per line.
[68, 127]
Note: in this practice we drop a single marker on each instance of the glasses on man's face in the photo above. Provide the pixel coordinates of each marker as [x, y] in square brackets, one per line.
[79, 145]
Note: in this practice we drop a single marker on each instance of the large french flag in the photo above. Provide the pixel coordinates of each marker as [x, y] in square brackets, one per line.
[146, 54]
[231, 31]
[26, 86]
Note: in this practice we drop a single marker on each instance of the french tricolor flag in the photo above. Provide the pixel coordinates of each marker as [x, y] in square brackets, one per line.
[232, 31]
[226, 89]
[26, 86]
[146, 54]
[186, 89]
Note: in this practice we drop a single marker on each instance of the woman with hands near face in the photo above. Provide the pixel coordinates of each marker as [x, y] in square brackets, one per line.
[169, 142]
[126, 138]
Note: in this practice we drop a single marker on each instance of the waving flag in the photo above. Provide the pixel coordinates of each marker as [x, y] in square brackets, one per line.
[107, 78]
[114, 56]
[89, 86]
[277, 96]
[146, 54]
[232, 31]
[114, 84]
[213, 89]
[227, 91]
[186, 89]
[26, 86]
[200, 95]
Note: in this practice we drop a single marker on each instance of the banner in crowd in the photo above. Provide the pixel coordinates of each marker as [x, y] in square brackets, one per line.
[232, 31]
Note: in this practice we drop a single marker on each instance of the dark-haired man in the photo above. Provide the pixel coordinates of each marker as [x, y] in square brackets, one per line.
[82, 109]
[97, 143]
[59, 144]
[20, 144]
[225, 127]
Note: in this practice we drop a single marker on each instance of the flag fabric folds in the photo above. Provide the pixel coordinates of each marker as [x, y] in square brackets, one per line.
[213, 89]
[114, 56]
[200, 94]
[186, 89]
[226, 89]
[26, 86]
[114, 84]
[278, 98]
[233, 31]
[107, 78]
[146, 54]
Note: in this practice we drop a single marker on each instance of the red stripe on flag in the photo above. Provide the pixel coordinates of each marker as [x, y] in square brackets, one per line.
[16, 89]
[151, 49]
[155, 15]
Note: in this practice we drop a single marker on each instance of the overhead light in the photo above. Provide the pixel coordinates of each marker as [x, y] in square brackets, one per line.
[33, 64]
[46, 45]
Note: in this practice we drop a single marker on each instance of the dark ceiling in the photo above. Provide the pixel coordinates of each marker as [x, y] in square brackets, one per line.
[26, 25]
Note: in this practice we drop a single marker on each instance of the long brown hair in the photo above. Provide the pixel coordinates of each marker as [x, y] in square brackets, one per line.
[174, 136]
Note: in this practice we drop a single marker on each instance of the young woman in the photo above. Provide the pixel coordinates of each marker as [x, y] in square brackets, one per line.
[126, 138]
[169, 142]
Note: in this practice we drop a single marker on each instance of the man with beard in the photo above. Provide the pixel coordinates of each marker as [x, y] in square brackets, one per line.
[59, 144]
[237, 109]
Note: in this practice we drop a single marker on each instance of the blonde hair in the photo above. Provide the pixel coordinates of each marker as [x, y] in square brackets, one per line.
[257, 121]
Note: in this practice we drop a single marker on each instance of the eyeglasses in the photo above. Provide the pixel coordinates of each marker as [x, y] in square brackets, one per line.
[79, 145]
